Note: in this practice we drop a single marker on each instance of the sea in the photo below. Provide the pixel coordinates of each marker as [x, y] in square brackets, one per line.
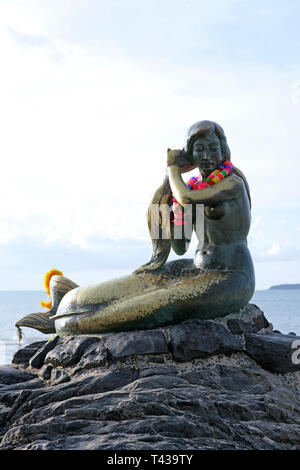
[281, 308]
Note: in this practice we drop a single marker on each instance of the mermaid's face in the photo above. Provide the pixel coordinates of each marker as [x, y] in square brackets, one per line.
[207, 153]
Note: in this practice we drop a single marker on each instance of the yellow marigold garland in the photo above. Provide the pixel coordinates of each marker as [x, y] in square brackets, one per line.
[47, 277]
[47, 304]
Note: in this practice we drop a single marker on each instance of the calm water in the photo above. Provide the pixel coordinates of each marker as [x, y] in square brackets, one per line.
[13, 306]
[281, 307]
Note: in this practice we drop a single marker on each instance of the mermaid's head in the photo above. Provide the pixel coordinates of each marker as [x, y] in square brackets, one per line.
[205, 128]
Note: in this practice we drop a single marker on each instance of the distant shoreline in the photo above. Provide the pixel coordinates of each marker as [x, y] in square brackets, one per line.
[286, 287]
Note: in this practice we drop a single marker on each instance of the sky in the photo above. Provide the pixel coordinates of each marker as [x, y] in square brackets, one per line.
[94, 92]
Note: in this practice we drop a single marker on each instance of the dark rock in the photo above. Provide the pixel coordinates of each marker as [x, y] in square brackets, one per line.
[197, 339]
[12, 375]
[69, 351]
[136, 342]
[158, 381]
[125, 391]
[250, 319]
[238, 326]
[59, 376]
[215, 403]
[37, 360]
[260, 322]
[225, 377]
[27, 385]
[22, 356]
[157, 359]
[104, 381]
[158, 371]
[94, 356]
[292, 333]
[275, 352]
[45, 372]
[277, 331]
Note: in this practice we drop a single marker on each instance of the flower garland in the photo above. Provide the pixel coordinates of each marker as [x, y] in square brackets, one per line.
[196, 183]
[47, 278]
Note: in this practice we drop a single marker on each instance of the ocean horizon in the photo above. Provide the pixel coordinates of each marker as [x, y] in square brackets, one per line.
[281, 308]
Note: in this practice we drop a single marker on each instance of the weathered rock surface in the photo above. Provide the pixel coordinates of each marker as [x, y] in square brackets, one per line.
[37, 359]
[197, 339]
[11, 375]
[24, 355]
[275, 352]
[194, 385]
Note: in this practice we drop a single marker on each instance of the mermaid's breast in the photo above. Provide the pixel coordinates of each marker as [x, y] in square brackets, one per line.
[215, 212]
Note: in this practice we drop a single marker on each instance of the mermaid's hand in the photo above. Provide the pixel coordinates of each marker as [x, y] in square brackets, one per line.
[173, 157]
[180, 159]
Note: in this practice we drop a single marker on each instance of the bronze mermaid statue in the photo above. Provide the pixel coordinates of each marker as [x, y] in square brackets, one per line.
[215, 205]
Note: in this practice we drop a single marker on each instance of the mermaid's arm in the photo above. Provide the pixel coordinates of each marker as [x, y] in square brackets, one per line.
[227, 189]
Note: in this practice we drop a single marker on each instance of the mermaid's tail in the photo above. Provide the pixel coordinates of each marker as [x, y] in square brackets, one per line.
[40, 321]
[59, 286]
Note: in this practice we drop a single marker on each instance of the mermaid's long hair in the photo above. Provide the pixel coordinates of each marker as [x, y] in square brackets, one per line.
[163, 195]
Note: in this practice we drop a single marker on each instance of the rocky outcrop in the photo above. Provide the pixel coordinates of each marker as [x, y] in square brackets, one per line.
[229, 383]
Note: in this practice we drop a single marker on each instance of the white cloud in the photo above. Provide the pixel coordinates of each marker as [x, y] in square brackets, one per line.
[31, 40]
[274, 249]
[82, 135]
[8, 232]
[85, 130]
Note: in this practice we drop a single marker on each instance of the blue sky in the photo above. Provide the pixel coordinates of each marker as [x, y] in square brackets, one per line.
[94, 92]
